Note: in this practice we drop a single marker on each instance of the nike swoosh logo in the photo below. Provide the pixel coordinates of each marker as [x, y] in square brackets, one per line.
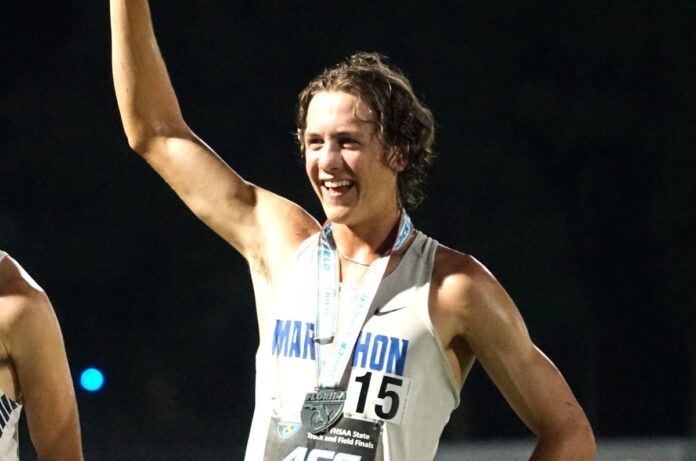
[383, 311]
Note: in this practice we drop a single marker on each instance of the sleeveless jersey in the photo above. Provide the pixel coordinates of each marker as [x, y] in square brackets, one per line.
[9, 419]
[398, 375]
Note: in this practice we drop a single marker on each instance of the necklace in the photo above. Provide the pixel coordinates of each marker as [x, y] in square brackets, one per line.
[347, 258]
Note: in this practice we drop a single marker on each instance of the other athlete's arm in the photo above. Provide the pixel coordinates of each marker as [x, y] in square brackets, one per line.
[34, 343]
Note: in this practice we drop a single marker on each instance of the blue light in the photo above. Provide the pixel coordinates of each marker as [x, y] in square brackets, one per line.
[92, 379]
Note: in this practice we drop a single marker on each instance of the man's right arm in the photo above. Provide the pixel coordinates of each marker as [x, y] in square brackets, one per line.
[263, 227]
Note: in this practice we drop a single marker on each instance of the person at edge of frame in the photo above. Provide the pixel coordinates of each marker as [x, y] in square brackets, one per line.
[368, 327]
[34, 372]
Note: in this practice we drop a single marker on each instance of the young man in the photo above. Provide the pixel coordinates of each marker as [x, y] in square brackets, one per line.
[368, 328]
[34, 371]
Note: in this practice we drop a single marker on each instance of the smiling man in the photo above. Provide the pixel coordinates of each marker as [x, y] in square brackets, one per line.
[368, 327]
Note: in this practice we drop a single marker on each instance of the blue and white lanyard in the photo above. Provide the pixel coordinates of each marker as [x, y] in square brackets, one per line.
[331, 372]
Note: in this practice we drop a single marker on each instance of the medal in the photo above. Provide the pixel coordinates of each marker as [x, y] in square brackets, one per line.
[322, 409]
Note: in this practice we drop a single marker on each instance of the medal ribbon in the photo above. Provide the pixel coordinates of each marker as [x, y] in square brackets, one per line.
[327, 302]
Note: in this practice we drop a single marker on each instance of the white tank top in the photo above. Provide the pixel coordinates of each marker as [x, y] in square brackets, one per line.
[397, 344]
[9, 419]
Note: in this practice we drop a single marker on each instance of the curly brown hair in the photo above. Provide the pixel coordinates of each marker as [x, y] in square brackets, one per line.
[405, 126]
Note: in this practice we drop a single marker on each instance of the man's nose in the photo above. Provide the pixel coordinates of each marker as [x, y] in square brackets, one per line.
[330, 156]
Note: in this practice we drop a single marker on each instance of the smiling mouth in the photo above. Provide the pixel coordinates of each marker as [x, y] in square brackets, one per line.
[337, 186]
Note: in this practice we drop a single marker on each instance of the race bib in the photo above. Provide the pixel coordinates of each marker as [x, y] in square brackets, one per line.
[377, 396]
[349, 440]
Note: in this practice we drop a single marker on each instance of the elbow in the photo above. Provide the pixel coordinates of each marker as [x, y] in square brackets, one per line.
[140, 140]
[572, 443]
[586, 443]
[581, 442]
[138, 145]
[591, 445]
[144, 139]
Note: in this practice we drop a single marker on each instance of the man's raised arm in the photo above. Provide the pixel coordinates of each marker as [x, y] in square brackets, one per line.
[262, 226]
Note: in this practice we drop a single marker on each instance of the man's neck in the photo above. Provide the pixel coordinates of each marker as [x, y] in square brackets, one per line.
[368, 241]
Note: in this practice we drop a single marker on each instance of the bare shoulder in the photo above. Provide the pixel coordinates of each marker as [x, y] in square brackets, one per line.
[461, 280]
[23, 302]
[284, 225]
[292, 222]
[469, 296]
[457, 269]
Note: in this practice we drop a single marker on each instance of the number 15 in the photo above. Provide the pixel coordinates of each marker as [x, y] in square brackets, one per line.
[388, 400]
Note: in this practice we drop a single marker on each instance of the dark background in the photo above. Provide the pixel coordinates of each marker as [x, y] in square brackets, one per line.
[566, 141]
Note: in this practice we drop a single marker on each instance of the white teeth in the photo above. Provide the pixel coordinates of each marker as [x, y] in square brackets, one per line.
[334, 184]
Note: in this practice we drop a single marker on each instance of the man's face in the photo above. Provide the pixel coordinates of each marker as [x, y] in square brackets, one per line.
[344, 159]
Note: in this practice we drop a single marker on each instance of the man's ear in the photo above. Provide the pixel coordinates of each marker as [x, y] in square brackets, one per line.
[398, 160]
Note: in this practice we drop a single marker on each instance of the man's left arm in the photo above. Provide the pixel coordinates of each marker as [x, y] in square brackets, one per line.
[494, 330]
